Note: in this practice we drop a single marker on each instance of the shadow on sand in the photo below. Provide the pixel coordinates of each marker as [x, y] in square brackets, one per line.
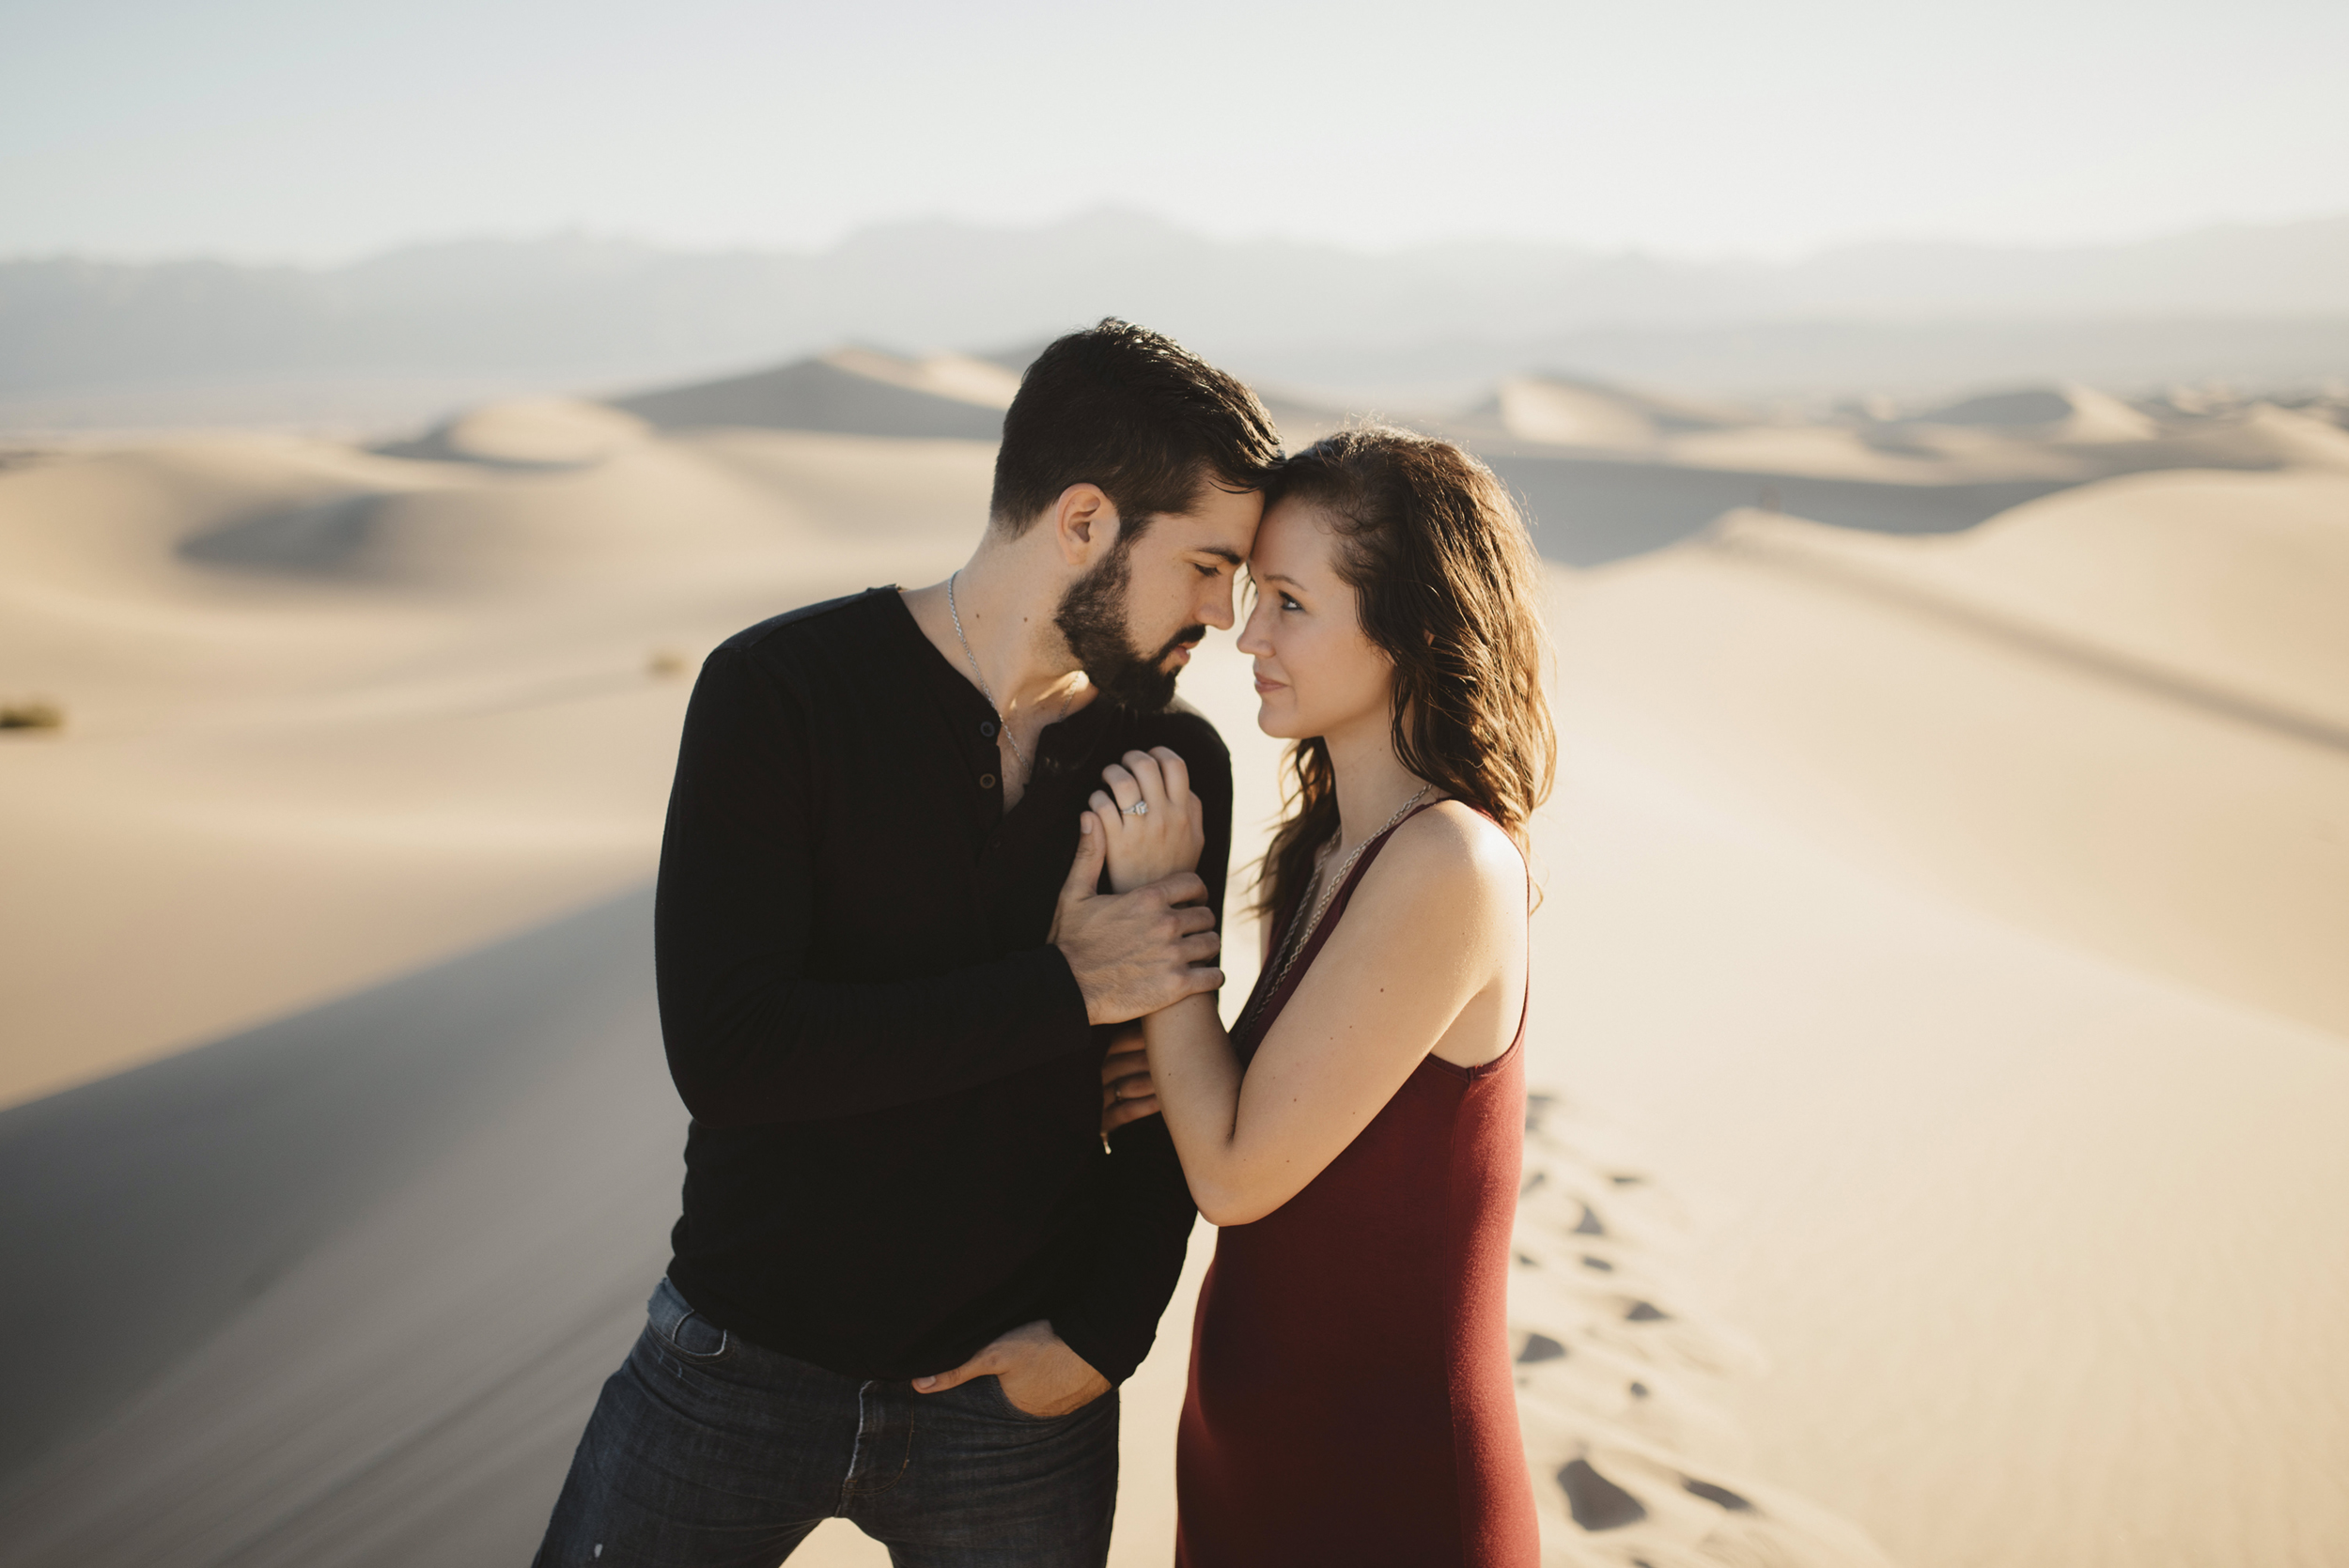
[339, 1289]
[1591, 511]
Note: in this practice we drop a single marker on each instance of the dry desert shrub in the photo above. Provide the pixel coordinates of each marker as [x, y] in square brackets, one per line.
[31, 716]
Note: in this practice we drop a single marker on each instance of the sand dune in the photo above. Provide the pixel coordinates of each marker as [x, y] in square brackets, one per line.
[1624, 1373]
[2227, 585]
[1938, 1003]
[860, 391]
[534, 433]
[1591, 511]
[264, 1179]
[2113, 718]
[2056, 431]
[1611, 473]
[1573, 411]
[2068, 414]
[2038, 1246]
[331, 715]
[2039, 1253]
[2099, 435]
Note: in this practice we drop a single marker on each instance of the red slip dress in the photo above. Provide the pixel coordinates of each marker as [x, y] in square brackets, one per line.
[1351, 1400]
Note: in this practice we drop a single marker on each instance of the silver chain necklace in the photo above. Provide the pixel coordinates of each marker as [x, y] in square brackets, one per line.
[1003, 725]
[1301, 932]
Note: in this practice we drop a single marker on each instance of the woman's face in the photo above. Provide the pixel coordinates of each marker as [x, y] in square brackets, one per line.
[1317, 673]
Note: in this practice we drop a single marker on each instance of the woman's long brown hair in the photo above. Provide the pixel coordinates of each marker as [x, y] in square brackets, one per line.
[1447, 585]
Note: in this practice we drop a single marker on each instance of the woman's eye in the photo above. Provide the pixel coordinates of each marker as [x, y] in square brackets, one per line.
[1288, 603]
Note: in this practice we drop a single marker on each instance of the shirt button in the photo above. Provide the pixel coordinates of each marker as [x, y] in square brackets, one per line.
[986, 780]
[988, 729]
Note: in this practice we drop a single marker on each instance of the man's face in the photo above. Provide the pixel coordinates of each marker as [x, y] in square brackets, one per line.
[1132, 620]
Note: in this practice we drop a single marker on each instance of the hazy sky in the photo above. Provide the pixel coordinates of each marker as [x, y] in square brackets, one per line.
[322, 129]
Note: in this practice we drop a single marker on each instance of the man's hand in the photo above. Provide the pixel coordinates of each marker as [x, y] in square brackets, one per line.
[1127, 1095]
[1133, 953]
[1041, 1375]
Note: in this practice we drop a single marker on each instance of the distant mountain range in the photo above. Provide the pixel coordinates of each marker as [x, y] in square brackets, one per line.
[2266, 304]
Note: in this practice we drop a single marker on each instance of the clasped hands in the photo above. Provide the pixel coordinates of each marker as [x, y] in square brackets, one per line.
[1149, 942]
[1163, 840]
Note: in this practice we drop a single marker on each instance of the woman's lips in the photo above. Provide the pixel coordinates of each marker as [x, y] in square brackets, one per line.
[1265, 688]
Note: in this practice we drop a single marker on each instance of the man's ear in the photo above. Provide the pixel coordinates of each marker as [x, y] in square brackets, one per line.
[1084, 524]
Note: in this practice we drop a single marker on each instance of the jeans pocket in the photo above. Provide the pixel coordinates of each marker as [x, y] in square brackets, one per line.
[692, 1337]
[697, 1338]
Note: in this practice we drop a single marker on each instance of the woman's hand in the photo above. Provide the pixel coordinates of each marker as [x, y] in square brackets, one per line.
[1126, 1093]
[1165, 835]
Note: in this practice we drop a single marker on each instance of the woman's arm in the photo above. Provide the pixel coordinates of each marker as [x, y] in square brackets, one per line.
[1430, 928]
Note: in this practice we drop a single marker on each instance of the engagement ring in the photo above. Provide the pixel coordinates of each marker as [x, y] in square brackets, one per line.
[1139, 808]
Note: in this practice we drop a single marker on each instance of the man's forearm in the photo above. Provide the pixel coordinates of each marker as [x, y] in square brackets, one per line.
[1111, 1317]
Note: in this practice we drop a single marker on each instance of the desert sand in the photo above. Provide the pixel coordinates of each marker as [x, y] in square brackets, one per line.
[1939, 1027]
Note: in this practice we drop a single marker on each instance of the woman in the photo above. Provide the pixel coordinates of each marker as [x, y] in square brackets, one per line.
[1357, 1135]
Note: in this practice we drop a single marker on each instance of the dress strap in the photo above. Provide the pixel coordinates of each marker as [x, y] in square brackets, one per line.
[1257, 1017]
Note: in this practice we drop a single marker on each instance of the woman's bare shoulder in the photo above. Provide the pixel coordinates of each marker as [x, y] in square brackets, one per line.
[1451, 853]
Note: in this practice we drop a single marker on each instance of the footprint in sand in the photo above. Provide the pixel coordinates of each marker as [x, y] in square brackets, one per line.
[1596, 1502]
[1712, 1494]
[1617, 1375]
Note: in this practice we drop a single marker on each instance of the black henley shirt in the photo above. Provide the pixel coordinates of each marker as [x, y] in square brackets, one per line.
[895, 1151]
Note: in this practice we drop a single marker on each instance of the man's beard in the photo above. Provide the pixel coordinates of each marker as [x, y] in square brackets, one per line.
[1092, 618]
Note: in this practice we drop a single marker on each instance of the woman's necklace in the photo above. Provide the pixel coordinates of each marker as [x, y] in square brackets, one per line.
[1301, 932]
[1003, 724]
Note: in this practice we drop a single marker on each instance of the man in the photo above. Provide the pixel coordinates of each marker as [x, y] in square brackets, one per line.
[911, 1270]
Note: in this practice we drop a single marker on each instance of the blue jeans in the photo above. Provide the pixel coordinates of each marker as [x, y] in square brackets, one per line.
[706, 1451]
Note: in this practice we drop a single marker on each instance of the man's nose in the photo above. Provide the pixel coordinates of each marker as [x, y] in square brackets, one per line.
[1217, 611]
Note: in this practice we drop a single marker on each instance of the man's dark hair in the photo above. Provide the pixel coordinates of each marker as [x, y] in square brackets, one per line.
[1138, 415]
